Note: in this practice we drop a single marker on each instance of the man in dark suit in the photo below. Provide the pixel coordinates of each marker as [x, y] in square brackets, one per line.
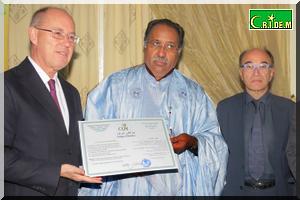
[41, 110]
[255, 125]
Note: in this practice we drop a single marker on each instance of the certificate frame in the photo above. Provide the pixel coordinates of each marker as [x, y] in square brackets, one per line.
[128, 146]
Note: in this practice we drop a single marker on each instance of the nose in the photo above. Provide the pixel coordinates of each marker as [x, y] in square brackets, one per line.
[256, 71]
[67, 42]
[162, 51]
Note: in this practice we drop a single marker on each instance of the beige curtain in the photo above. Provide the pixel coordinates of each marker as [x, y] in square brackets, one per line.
[124, 27]
[215, 36]
[82, 72]
[6, 13]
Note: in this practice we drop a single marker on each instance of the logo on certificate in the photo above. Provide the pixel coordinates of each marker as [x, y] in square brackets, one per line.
[123, 131]
[123, 127]
[270, 19]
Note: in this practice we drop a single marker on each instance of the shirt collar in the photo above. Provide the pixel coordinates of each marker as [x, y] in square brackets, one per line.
[265, 98]
[44, 76]
[163, 83]
[149, 72]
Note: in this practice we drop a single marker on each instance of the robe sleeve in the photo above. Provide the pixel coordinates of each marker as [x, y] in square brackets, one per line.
[212, 149]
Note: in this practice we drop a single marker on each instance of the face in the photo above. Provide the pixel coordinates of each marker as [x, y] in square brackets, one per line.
[161, 51]
[256, 80]
[50, 53]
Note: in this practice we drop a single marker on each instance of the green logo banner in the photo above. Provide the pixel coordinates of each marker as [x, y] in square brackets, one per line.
[270, 19]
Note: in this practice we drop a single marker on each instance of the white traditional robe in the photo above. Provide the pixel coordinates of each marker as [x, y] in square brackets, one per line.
[134, 93]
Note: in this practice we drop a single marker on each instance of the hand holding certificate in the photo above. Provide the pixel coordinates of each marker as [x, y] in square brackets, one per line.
[111, 147]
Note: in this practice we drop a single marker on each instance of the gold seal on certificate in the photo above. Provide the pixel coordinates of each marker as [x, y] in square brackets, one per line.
[111, 147]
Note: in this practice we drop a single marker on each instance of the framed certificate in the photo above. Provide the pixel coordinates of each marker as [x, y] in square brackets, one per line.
[111, 147]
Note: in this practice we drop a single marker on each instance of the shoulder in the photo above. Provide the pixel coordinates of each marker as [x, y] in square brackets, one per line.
[189, 83]
[17, 70]
[283, 102]
[116, 81]
[9, 75]
[122, 74]
[16, 74]
[232, 100]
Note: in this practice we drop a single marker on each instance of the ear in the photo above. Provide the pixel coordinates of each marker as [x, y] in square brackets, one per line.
[272, 72]
[241, 74]
[32, 33]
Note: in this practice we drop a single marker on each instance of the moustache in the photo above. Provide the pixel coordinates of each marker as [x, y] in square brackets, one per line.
[160, 59]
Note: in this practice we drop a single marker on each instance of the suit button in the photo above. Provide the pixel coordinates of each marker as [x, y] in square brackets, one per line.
[241, 187]
[70, 152]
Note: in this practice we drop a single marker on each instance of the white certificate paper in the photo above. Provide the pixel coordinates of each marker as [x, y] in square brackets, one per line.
[111, 147]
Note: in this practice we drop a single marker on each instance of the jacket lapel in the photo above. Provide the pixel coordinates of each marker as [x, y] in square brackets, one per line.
[240, 133]
[70, 105]
[34, 85]
[241, 116]
[278, 115]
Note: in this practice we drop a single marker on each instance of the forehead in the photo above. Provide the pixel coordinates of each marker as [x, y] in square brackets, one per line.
[58, 19]
[256, 56]
[164, 33]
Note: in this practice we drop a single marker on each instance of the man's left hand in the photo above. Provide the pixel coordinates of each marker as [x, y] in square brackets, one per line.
[183, 142]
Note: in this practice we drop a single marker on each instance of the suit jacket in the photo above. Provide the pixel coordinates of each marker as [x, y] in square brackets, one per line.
[35, 137]
[231, 118]
[291, 146]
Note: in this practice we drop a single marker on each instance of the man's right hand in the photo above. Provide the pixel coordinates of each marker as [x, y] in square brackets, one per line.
[76, 174]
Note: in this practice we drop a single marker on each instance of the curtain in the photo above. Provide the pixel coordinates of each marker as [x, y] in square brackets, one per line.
[6, 12]
[124, 32]
[215, 36]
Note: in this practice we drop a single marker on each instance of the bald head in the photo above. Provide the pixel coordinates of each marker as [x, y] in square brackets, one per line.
[40, 14]
[263, 50]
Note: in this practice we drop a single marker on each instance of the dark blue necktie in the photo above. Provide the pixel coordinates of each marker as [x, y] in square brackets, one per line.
[256, 148]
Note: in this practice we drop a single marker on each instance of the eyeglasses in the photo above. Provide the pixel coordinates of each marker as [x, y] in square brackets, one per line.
[168, 46]
[259, 66]
[60, 35]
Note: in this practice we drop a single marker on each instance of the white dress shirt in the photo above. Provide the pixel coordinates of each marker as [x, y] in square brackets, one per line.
[59, 91]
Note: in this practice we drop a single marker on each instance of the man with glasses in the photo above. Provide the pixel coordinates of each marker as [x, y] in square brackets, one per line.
[255, 125]
[157, 89]
[41, 110]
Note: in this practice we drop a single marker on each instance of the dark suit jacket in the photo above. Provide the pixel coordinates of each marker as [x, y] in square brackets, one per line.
[231, 118]
[35, 137]
[291, 146]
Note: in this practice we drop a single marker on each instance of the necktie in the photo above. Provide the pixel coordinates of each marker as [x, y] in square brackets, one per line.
[51, 83]
[256, 148]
